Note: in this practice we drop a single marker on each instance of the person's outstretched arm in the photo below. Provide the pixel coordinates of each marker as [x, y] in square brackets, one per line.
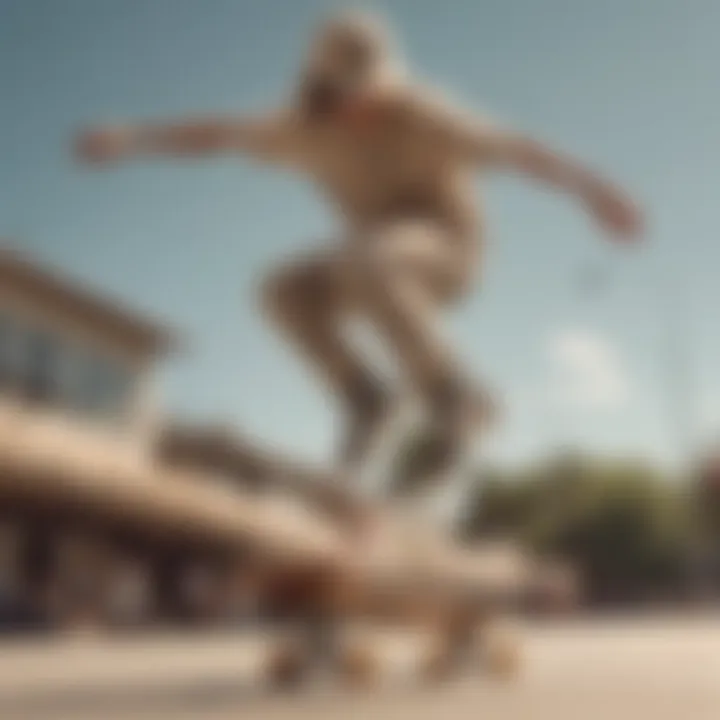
[269, 137]
[496, 147]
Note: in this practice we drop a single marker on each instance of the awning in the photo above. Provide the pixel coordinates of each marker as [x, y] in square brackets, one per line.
[148, 495]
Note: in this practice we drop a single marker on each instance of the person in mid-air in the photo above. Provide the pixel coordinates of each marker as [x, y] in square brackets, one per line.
[397, 162]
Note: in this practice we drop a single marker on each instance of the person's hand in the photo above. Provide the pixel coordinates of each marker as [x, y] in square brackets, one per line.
[614, 211]
[104, 145]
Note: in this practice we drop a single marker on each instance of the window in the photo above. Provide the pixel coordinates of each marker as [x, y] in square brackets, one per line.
[11, 341]
[105, 387]
[47, 368]
[5, 350]
[41, 378]
[69, 377]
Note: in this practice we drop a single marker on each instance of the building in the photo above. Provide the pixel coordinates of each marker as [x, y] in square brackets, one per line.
[87, 362]
[110, 516]
[106, 514]
[75, 380]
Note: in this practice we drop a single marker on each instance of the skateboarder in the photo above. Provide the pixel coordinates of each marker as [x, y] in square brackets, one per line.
[396, 161]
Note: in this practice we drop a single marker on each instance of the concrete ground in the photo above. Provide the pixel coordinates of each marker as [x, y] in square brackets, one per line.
[646, 667]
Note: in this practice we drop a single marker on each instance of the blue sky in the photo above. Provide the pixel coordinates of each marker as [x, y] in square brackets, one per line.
[630, 85]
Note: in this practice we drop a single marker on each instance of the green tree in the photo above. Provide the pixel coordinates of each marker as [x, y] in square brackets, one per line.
[622, 524]
[626, 527]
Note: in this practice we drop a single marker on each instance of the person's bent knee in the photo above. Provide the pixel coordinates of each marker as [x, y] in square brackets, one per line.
[370, 269]
[293, 292]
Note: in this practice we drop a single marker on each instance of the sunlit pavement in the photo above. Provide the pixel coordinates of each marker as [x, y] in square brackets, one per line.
[652, 667]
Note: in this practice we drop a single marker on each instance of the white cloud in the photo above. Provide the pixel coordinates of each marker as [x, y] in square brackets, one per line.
[708, 414]
[586, 372]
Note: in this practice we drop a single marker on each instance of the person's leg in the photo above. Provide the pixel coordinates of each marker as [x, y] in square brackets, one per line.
[405, 274]
[307, 300]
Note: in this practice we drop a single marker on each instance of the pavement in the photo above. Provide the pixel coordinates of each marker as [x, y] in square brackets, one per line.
[653, 667]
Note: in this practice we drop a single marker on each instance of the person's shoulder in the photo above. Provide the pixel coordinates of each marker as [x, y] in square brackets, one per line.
[410, 100]
[420, 104]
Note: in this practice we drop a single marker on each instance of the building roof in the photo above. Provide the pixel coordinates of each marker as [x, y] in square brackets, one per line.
[216, 449]
[254, 464]
[221, 448]
[39, 470]
[77, 298]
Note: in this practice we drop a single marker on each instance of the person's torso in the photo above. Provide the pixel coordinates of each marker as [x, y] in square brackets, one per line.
[383, 172]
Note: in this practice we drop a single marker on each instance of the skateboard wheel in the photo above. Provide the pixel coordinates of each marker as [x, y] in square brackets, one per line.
[360, 666]
[502, 655]
[287, 667]
[439, 665]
